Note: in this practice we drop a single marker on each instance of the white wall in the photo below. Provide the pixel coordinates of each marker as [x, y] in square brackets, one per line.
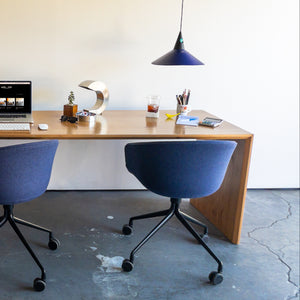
[250, 49]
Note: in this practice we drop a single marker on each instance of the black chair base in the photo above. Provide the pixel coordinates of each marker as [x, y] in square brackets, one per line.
[39, 284]
[127, 266]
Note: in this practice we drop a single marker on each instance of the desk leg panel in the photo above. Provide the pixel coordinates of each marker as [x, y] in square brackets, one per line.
[225, 208]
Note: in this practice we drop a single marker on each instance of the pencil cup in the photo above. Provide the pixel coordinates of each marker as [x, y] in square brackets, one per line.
[184, 109]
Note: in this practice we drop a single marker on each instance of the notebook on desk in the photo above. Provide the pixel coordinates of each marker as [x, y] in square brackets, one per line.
[15, 102]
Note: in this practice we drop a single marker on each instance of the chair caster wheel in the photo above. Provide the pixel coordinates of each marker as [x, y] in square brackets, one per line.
[205, 238]
[127, 229]
[53, 243]
[127, 265]
[215, 277]
[39, 284]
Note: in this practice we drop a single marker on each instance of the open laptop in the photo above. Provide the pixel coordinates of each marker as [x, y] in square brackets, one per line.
[15, 102]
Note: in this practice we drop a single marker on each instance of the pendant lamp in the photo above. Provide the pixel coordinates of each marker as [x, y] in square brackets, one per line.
[178, 56]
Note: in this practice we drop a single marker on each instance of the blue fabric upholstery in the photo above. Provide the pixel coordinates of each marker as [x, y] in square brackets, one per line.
[25, 171]
[183, 169]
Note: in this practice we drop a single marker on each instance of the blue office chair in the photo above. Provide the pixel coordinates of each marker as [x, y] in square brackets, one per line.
[180, 169]
[25, 171]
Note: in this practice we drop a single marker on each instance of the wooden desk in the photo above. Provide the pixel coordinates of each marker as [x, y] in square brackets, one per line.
[224, 208]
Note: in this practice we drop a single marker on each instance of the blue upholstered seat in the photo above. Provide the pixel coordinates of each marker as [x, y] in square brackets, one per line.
[180, 169]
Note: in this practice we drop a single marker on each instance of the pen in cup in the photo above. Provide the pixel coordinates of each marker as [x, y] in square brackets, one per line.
[184, 98]
[188, 96]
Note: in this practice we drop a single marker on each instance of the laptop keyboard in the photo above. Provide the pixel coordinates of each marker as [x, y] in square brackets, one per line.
[12, 116]
[14, 126]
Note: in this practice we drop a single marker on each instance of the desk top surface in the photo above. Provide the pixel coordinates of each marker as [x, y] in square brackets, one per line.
[124, 124]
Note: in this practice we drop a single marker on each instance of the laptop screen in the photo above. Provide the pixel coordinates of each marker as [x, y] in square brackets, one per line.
[15, 97]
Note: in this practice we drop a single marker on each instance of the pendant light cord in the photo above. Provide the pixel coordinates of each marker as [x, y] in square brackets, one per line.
[181, 15]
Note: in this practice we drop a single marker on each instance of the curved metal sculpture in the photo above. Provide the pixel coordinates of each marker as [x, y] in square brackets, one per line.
[102, 95]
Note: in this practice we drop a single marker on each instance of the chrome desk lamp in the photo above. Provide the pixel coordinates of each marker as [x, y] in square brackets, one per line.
[101, 92]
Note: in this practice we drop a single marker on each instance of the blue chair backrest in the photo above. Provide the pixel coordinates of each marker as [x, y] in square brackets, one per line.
[25, 170]
[183, 169]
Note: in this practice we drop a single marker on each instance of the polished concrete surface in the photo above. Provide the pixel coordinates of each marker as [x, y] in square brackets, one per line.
[172, 265]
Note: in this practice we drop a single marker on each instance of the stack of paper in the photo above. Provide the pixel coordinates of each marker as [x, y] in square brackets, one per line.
[187, 120]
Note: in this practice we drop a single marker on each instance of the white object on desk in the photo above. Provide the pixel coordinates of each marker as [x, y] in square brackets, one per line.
[184, 109]
[43, 126]
[187, 120]
[152, 114]
[14, 126]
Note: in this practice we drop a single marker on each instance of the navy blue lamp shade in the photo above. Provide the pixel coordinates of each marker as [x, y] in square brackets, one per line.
[178, 56]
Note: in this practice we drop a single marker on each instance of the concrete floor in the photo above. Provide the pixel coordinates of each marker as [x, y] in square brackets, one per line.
[172, 265]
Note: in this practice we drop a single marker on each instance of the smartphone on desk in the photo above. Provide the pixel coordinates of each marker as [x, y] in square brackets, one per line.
[211, 122]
